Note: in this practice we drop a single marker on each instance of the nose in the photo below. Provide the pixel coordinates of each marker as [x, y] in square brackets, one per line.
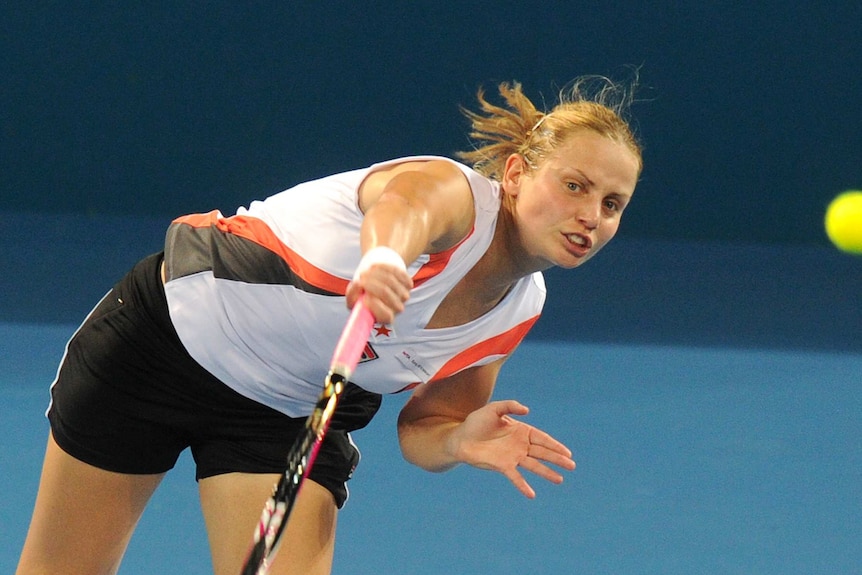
[589, 214]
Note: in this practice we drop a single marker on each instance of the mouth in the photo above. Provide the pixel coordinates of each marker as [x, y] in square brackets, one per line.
[579, 244]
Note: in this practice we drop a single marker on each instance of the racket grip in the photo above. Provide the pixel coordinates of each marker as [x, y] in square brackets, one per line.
[352, 342]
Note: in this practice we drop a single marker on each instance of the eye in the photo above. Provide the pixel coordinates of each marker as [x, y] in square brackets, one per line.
[614, 205]
[574, 186]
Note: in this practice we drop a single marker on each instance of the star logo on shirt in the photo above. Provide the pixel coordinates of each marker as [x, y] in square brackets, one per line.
[382, 329]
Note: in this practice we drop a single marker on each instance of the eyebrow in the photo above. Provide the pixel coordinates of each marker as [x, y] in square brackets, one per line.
[591, 184]
[622, 198]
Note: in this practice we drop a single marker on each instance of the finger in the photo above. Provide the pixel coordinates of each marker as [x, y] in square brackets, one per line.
[535, 467]
[399, 279]
[352, 294]
[382, 314]
[393, 295]
[383, 302]
[521, 484]
[551, 456]
[542, 439]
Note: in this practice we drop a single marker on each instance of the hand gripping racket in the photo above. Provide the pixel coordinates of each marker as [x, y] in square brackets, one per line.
[301, 456]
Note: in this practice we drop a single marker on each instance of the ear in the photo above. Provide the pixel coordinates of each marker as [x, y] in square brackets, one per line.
[513, 174]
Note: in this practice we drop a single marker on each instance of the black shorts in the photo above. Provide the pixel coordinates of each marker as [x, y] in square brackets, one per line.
[129, 398]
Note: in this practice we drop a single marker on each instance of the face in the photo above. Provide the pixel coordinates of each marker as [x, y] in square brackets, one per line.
[570, 206]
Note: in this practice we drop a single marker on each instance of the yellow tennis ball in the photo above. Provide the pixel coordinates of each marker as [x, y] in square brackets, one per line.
[844, 221]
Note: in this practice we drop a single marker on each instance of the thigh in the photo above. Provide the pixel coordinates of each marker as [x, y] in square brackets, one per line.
[232, 504]
[83, 518]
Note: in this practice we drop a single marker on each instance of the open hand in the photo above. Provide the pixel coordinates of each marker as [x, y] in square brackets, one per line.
[490, 438]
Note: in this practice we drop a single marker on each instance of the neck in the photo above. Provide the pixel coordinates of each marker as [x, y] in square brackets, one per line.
[505, 262]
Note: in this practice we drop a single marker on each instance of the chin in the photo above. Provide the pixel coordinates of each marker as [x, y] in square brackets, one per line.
[578, 262]
[570, 265]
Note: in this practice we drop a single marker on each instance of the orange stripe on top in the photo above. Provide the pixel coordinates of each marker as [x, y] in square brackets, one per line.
[502, 344]
[255, 230]
[437, 262]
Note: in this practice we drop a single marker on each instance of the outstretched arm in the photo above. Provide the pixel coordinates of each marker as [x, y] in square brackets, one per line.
[410, 209]
[450, 421]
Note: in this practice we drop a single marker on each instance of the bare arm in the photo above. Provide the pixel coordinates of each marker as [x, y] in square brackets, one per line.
[449, 422]
[412, 208]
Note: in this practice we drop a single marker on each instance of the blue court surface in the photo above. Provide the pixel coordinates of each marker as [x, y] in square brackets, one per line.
[712, 396]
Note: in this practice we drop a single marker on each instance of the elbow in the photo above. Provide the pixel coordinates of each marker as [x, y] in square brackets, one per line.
[424, 446]
[407, 443]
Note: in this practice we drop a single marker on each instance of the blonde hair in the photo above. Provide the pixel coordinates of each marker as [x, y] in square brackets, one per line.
[590, 102]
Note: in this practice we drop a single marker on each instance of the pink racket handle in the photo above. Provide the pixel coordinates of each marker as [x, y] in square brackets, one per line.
[352, 342]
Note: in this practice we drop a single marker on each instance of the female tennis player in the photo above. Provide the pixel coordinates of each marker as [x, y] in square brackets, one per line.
[220, 343]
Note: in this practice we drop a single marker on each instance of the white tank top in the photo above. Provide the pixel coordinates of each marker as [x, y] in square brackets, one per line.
[258, 298]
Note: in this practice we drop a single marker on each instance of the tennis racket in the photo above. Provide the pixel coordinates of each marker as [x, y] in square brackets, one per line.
[301, 456]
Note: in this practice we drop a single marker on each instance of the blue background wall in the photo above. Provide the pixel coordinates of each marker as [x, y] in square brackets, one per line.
[706, 369]
[750, 117]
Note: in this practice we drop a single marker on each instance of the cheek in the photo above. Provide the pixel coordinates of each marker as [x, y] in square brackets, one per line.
[547, 208]
[608, 230]
[531, 209]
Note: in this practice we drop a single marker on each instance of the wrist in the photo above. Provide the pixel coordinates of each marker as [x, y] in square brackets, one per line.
[379, 255]
[453, 445]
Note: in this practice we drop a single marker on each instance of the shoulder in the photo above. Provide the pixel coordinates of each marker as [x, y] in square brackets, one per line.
[485, 191]
[417, 161]
[431, 177]
[438, 167]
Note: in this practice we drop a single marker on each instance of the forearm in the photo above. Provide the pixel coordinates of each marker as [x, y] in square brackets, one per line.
[430, 442]
[396, 222]
[433, 428]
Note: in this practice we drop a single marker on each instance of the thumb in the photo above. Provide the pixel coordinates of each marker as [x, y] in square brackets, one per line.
[352, 295]
[510, 407]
